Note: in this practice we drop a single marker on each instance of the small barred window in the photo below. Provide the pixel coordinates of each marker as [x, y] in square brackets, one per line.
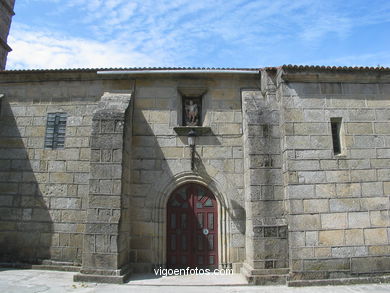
[55, 130]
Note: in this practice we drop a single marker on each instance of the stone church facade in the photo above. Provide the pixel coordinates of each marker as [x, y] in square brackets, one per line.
[282, 174]
[6, 13]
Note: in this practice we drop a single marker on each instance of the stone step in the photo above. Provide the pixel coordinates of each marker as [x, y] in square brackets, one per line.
[265, 276]
[49, 267]
[283, 271]
[341, 281]
[267, 280]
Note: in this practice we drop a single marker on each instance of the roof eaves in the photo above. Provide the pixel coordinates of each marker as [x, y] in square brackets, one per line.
[290, 67]
[127, 69]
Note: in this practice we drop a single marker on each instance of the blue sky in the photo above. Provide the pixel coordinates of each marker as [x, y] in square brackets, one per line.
[199, 33]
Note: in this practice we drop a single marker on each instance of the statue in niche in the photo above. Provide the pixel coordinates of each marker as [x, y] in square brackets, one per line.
[191, 116]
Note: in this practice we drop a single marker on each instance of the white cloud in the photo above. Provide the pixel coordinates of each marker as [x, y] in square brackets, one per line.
[180, 32]
[40, 49]
[374, 59]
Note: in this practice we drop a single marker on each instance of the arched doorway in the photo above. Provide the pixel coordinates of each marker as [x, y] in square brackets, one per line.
[192, 228]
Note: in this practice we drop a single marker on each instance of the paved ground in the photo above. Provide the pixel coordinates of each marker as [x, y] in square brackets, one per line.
[21, 281]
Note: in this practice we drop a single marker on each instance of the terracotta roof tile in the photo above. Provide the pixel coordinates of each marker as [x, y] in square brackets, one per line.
[333, 68]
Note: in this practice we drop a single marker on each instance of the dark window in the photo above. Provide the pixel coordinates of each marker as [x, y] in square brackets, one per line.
[265, 130]
[336, 135]
[55, 130]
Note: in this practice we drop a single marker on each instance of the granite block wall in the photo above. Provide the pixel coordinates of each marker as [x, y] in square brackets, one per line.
[266, 225]
[106, 237]
[44, 191]
[338, 203]
[161, 161]
[6, 13]
[265, 149]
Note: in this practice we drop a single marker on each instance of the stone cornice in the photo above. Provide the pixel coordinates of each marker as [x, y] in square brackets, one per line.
[5, 45]
[7, 6]
[292, 73]
[351, 77]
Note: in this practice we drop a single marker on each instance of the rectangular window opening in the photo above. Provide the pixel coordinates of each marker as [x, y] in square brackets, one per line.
[55, 130]
[336, 135]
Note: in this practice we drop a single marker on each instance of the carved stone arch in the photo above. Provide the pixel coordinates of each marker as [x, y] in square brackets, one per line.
[225, 193]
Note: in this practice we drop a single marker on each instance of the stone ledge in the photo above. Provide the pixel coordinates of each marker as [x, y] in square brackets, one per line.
[199, 130]
[265, 277]
[102, 278]
[47, 267]
[336, 282]
[118, 276]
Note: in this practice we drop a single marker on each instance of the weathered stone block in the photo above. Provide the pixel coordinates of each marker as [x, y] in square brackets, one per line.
[330, 88]
[379, 250]
[312, 238]
[334, 221]
[363, 175]
[77, 166]
[337, 176]
[297, 142]
[369, 265]
[304, 165]
[68, 154]
[56, 166]
[105, 171]
[384, 174]
[354, 237]
[304, 222]
[383, 153]
[310, 128]
[65, 203]
[325, 190]
[313, 154]
[350, 251]
[348, 189]
[76, 142]
[311, 177]
[316, 206]
[300, 191]
[358, 220]
[375, 236]
[375, 203]
[106, 141]
[344, 205]
[341, 102]
[380, 218]
[61, 177]
[359, 128]
[327, 265]
[331, 237]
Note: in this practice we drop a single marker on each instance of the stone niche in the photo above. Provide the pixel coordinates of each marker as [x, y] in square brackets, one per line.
[191, 106]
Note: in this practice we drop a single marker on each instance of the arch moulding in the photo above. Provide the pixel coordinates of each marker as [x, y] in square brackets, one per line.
[223, 193]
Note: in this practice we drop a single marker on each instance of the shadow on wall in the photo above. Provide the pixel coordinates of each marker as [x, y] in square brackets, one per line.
[26, 229]
[237, 212]
[149, 167]
[158, 157]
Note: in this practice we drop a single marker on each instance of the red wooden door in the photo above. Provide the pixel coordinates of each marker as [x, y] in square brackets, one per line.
[192, 230]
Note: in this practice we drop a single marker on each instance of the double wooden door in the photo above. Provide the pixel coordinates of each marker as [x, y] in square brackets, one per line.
[192, 228]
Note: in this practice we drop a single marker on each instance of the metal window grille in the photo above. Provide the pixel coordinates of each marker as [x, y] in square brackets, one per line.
[55, 130]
